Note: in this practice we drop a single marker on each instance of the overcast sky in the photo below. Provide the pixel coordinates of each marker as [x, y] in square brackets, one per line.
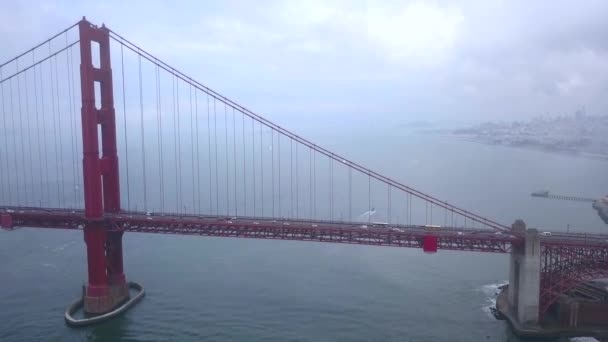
[407, 60]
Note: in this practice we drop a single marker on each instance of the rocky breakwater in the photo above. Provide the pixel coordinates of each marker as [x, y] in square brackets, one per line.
[601, 206]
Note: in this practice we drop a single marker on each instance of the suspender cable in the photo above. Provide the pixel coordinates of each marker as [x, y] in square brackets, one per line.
[159, 133]
[74, 130]
[22, 144]
[350, 194]
[175, 134]
[369, 198]
[44, 146]
[310, 183]
[4, 173]
[143, 144]
[227, 169]
[279, 157]
[75, 121]
[405, 209]
[314, 185]
[244, 170]
[319, 149]
[272, 168]
[55, 128]
[291, 175]
[51, 55]
[217, 181]
[453, 223]
[124, 114]
[192, 169]
[5, 134]
[71, 111]
[14, 147]
[25, 140]
[60, 135]
[297, 186]
[331, 189]
[209, 153]
[179, 147]
[236, 207]
[411, 214]
[389, 204]
[253, 163]
[262, 167]
[39, 45]
[198, 153]
[29, 137]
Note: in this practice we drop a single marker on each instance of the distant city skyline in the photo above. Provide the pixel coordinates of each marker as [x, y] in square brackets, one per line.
[576, 133]
[398, 60]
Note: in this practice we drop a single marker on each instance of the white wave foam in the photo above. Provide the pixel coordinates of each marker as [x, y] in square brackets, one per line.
[491, 292]
[583, 339]
[62, 247]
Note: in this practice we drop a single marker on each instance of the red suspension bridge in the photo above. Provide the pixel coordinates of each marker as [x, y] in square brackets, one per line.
[194, 162]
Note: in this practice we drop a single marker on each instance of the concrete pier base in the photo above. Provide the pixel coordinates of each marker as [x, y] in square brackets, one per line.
[105, 299]
[524, 276]
[519, 302]
[545, 329]
[75, 322]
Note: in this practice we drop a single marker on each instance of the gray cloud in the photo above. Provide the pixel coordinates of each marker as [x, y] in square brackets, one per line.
[463, 60]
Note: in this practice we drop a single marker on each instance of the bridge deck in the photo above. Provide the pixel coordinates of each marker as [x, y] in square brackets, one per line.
[450, 238]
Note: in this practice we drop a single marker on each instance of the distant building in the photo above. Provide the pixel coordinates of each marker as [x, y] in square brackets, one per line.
[580, 114]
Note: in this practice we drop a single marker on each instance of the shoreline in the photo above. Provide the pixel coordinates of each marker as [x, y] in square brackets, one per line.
[539, 148]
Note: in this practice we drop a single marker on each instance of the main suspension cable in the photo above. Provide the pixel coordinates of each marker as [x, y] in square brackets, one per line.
[319, 149]
[39, 45]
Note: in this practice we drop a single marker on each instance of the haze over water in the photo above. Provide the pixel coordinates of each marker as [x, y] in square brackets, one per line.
[346, 75]
[211, 289]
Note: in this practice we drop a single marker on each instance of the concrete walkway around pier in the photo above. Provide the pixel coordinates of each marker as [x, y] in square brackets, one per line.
[75, 322]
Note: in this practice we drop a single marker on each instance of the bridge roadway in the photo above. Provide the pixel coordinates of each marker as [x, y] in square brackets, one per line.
[395, 235]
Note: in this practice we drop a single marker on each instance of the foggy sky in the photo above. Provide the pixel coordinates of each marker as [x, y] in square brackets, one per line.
[456, 61]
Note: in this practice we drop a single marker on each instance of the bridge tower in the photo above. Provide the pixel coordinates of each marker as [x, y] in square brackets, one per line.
[524, 276]
[107, 286]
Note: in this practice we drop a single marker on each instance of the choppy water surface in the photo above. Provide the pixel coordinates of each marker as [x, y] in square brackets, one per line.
[254, 290]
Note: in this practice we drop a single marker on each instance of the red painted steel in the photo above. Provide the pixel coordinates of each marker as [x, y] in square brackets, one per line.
[6, 221]
[319, 231]
[90, 144]
[114, 254]
[107, 282]
[430, 244]
[95, 239]
[107, 120]
[565, 266]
